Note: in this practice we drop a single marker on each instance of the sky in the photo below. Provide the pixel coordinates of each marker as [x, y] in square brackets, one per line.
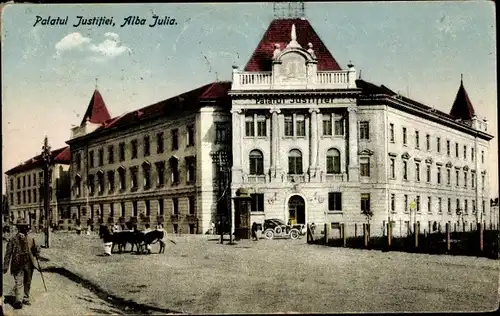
[49, 72]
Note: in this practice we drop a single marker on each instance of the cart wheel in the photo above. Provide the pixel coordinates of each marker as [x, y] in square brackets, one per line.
[294, 234]
[278, 230]
[269, 234]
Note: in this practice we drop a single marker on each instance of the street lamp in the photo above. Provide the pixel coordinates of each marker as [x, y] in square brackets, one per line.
[47, 161]
[223, 161]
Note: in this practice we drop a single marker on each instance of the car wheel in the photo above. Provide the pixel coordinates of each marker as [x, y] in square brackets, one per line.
[269, 234]
[278, 230]
[294, 234]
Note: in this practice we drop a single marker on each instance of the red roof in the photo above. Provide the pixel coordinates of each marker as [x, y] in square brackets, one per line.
[462, 107]
[59, 156]
[279, 32]
[97, 112]
[216, 91]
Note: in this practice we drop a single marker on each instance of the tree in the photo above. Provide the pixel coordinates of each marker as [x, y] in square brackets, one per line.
[5, 208]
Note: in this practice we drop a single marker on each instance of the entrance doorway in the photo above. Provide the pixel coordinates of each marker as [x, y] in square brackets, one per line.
[296, 210]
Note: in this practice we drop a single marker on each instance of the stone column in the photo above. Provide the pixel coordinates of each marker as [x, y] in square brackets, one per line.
[353, 166]
[237, 130]
[313, 142]
[275, 159]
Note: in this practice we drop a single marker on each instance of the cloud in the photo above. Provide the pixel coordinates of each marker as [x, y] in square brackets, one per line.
[109, 48]
[72, 41]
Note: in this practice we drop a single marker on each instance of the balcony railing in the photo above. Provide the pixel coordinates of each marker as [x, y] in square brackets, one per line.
[265, 80]
[334, 177]
[256, 178]
[296, 178]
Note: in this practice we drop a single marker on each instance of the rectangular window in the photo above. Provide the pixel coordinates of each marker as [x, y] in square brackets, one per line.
[249, 126]
[458, 205]
[482, 181]
[448, 176]
[484, 207]
[191, 169]
[101, 157]
[456, 150]
[91, 183]
[333, 163]
[146, 146]
[428, 141]
[134, 148]
[339, 127]
[160, 173]
[257, 202]
[438, 144]
[472, 154]
[133, 177]
[335, 201]
[449, 205]
[190, 135]
[29, 196]
[288, 125]
[91, 159]
[473, 180]
[159, 143]
[111, 210]
[393, 168]
[175, 206]
[121, 150]
[448, 147]
[191, 205]
[174, 171]
[18, 197]
[100, 181]
[364, 130]
[11, 183]
[364, 166]
[465, 151]
[429, 204]
[404, 136]
[428, 173]
[365, 202]
[221, 133]
[147, 205]
[24, 181]
[418, 203]
[161, 207]
[78, 161]
[417, 172]
[111, 155]
[29, 180]
[135, 210]
[439, 175]
[393, 202]
[466, 206]
[405, 170]
[301, 125]
[482, 156]
[111, 180]
[465, 179]
[175, 139]
[440, 205]
[457, 174]
[406, 203]
[146, 173]
[121, 176]
[327, 125]
[34, 195]
[391, 133]
[261, 126]
[417, 139]
[473, 206]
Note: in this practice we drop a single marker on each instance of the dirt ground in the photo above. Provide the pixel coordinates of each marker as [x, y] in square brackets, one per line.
[198, 275]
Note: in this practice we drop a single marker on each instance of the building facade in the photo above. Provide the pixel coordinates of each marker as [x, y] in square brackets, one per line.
[152, 165]
[25, 189]
[313, 144]
[307, 138]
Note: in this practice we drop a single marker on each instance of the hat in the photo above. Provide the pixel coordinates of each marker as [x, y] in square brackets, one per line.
[22, 222]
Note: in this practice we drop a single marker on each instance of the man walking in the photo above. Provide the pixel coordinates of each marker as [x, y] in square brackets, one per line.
[254, 232]
[21, 255]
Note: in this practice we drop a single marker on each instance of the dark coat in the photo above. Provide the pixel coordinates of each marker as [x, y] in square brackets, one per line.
[19, 256]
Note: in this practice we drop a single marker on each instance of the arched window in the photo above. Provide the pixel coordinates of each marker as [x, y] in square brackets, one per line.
[256, 162]
[295, 162]
[332, 161]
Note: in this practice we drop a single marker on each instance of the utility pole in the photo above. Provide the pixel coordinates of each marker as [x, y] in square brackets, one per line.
[47, 160]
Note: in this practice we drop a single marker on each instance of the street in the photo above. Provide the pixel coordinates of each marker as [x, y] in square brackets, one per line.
[64, 297]
[199, 275]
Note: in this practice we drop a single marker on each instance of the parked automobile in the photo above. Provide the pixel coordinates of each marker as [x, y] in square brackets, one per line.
[277, 227]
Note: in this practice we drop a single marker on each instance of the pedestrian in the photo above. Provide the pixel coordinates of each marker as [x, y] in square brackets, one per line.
[145, 231]
[78, 227]
[254, 231]
[20, 254]
[105, 234]
[160, 228]
[116, 228]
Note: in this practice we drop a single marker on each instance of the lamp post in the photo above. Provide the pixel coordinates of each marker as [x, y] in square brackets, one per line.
[47, 161]
[222, 160]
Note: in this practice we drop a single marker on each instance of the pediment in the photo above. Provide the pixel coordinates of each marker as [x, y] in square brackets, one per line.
[439, 163]
[466, 168]
[405, 155]
[146, 164]
[393, 154]
[449, 164]
[428, 160]
[366, 152]
[458, 167]
[417, 159]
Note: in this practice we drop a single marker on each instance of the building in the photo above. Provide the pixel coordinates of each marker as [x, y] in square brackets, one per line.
[314, 144]
[151, 165]
[25, 188]
[309, 140]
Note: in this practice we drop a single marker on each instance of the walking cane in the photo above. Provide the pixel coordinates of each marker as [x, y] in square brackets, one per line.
[41, 273]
